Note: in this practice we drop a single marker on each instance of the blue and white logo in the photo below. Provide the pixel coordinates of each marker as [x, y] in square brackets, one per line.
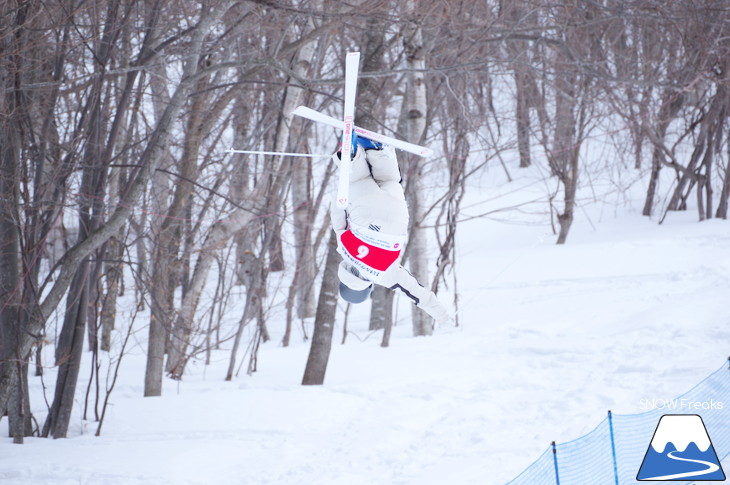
[680, 450]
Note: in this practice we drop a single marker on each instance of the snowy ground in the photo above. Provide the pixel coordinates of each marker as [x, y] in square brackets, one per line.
[551, 337]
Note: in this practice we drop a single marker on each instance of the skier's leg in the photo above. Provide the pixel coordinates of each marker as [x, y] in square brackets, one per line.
[398, 278]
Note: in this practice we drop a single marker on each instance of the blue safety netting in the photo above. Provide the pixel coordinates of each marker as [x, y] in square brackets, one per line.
[612, 453]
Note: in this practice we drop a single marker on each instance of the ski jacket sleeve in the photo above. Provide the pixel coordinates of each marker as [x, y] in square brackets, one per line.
[358, 173]
[338, 218]
[400, 279]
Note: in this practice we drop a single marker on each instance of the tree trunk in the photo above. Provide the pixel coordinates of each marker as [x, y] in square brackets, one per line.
[388, 323]
[381, 314]
[415, 106]
[71, 340]
[20, 422]
[221, 231]
[170, 239]
[566, 156]
[566, 143]
[28, 142]
[705, 144]
[114, 249]
[254, 296]
[689, 175]
[570, 188]
[303, 222]
[522, 115]
[113, 276]
[671, 104]
[160, 316]
[10, 281]
[68, 355]
[324, 322]
[515, 16]
[725, 193]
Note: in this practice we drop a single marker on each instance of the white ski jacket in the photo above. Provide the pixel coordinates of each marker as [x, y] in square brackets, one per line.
[371, 232]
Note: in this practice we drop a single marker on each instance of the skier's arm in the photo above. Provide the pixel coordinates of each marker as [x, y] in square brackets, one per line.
[358, 172]
[398, 278]
[338, 217]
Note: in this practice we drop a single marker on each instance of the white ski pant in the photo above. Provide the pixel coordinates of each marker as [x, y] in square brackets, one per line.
[397, 278]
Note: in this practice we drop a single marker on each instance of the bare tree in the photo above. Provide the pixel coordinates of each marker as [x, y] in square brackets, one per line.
[95, 161]
[121, 114]
[10, 149]
[74, 258]
[415, 107]
[517, 15]
[324, 322]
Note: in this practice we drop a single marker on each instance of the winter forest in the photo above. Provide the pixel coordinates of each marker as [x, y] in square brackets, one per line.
[128, 230]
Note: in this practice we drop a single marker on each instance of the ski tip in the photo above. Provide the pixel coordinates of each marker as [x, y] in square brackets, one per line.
[298, 110]
[415, 150]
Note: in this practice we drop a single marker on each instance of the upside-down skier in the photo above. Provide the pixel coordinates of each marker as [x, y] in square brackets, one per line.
[372, 229]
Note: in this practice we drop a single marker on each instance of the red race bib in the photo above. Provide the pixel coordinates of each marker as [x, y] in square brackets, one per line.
[373, 257]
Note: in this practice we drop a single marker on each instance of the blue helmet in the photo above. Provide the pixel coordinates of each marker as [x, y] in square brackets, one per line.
[354, 296]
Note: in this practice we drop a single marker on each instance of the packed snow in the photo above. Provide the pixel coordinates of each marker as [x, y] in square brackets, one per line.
[549, 338]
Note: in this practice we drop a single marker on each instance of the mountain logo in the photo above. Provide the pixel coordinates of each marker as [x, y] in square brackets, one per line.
[681, 450]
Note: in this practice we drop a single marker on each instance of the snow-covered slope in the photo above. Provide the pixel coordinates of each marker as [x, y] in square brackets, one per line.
[551, 337]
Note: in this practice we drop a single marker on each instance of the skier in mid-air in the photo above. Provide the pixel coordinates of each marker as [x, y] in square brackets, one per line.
[372, 229]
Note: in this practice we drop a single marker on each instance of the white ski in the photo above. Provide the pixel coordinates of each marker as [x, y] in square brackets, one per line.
[352, 65]
[310, 114]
